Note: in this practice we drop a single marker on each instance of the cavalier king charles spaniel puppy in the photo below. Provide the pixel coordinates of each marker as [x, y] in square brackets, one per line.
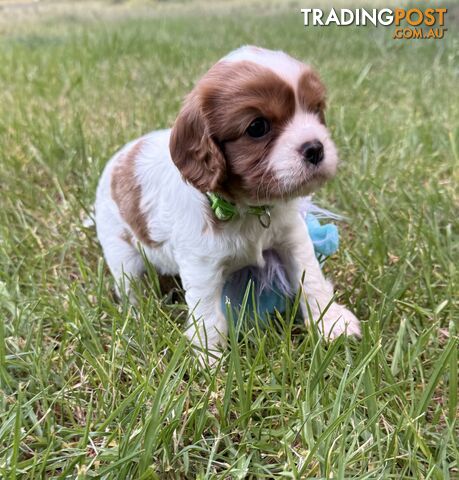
[209, 196]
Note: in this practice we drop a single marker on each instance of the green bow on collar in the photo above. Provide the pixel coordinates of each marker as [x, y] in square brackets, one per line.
[225, 210]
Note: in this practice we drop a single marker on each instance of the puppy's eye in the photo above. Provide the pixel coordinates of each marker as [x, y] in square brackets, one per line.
[258, 128]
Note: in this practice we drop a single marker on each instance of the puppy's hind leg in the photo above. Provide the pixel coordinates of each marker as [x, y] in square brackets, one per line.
[125, 263]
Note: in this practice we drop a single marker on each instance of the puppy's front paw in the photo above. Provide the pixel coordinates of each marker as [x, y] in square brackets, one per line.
[338, 320]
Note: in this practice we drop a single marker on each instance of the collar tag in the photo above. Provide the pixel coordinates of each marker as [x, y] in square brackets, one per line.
[265, 218]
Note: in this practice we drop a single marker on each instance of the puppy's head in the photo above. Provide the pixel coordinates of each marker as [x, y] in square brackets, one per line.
[253, 129]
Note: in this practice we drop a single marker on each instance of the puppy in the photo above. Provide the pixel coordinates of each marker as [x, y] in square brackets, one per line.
[211, 195]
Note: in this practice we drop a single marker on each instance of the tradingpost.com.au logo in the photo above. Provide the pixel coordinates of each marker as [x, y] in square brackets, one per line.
[409, 23]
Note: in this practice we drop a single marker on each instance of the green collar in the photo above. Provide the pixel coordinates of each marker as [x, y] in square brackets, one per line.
[225, 210]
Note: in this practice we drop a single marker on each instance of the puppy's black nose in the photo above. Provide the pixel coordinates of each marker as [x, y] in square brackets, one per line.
[313, 152]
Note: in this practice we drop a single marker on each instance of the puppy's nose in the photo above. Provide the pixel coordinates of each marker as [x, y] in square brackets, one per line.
[313, 152]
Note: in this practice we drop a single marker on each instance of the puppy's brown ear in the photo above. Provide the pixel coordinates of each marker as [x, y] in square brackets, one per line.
[194, 152]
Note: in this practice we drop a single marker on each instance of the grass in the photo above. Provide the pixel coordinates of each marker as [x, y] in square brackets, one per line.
[91, 389]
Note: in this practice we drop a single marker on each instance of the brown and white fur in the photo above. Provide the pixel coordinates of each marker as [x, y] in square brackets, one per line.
[151, 195]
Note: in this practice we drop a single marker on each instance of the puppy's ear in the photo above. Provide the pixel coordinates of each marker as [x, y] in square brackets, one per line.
[194, 152]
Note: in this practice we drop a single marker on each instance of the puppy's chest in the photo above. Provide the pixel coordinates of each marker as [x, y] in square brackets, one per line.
[243, 250]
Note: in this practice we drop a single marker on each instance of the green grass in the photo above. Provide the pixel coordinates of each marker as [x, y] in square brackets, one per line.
[89, 388]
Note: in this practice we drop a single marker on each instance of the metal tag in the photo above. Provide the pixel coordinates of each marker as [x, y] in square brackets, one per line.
[265, 219]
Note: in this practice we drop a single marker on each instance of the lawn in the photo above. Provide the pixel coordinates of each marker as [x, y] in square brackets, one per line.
[90, 388]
